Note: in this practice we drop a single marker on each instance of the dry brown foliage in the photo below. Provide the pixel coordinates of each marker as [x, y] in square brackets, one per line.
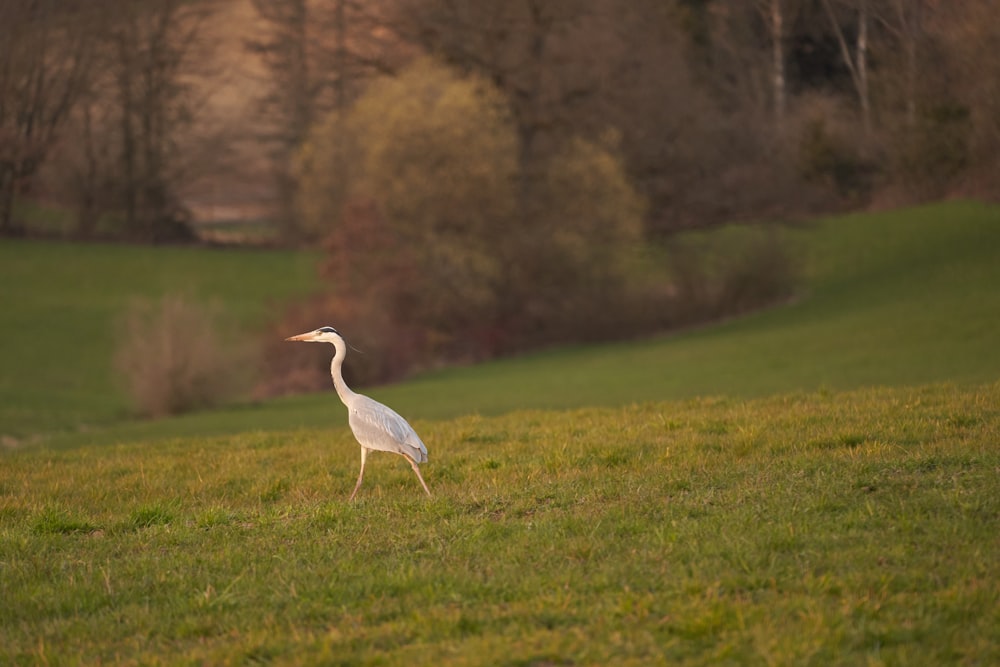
[384, 346]
[173, 357]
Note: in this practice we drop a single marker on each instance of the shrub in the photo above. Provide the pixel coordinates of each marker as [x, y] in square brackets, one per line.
[418, 223]
[728, 271]
[446, 243]
[382, 348]
[446, 239]
[172, 357]
[936, 151]
[824, 160]
[584, 242]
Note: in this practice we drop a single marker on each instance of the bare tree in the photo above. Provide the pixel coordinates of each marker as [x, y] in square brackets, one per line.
[970, 34]
[317, 55]
[904, 21]
[749, 52]
[155, 48]
[533, 51]
[774, 13]
[571, 68]
[289, 105]
[89, 166]
[46, 51]
[856, 60]
[293, 81]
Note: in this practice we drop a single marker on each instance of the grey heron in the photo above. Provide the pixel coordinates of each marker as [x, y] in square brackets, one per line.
[375, 426]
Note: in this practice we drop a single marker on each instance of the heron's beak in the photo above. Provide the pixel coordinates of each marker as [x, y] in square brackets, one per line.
[306, 337]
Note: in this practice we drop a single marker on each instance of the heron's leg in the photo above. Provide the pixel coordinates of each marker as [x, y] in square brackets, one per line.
[364, 455]
[419, 476]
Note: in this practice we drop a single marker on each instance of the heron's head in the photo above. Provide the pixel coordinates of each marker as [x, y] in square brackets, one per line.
[321, 335]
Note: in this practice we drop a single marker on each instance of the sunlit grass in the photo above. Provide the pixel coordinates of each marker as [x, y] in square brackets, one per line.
[817, 528]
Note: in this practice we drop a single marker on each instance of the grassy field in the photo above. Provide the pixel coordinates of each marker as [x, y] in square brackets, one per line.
[815, 484]
[61, 303]
[891, 299]
[807, 528]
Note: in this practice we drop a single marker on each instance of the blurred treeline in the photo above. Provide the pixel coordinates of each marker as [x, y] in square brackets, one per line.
[488, 175]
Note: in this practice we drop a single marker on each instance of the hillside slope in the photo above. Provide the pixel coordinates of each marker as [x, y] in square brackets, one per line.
[892, 298]
[62, 304]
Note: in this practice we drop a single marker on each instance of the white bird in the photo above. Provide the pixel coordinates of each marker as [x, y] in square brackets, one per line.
[375, 426]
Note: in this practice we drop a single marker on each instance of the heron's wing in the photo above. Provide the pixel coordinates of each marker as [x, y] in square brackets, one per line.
[377, 426]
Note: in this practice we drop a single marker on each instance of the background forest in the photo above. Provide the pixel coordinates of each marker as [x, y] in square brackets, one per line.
[488, 177]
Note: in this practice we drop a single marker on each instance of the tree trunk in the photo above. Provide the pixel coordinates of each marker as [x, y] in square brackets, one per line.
[908, 30]
[857, 63]
[6, 202]
[778, 66]
[45, 66]
[340, 59]
[861, 56]
[125, 95]
[339, 96]
[530, 94]
[86, 204]
[289, 105]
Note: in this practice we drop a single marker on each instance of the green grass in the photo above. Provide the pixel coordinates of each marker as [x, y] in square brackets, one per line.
[815, 484]
[42, 218]
[891, 299]
[61, 303]
[806, 528]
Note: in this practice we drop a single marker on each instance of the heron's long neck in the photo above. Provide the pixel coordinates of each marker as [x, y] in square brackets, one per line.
[336, 365]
